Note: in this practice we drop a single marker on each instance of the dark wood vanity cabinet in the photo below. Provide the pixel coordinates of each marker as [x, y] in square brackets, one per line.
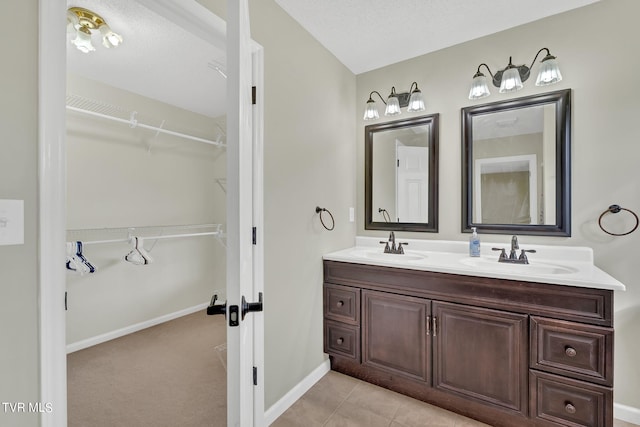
[504, 352]
[394, 334]
[481, 354]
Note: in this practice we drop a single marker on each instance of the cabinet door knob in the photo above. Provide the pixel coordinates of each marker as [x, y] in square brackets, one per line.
[340, 303]
[570, 351]
[570, 408]
[339, 340]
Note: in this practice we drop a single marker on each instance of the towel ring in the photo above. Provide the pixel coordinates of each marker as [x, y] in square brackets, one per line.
[615, 209]
[385, 214]
[319, 210]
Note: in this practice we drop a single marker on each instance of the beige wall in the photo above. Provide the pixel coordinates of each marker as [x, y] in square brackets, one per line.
[18, 180]
[595, 50]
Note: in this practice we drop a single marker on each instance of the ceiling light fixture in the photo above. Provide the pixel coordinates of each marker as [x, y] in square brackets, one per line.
[511, 77]
[413, 100]
[80, 22]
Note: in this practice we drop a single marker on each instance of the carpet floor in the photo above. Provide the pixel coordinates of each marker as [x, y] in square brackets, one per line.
[172, 374]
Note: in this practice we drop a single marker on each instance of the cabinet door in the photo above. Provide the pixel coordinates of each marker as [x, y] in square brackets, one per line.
[394, 329]
[481, 354]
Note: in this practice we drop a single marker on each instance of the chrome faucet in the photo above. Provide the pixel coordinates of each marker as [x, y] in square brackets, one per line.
[514, 247]
[513, 258]
[393, 249]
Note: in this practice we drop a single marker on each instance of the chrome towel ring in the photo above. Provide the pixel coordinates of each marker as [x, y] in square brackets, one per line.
[319, 211]
[385, 214]
[615, 209]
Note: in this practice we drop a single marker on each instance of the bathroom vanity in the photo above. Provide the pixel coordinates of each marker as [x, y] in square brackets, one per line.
[523, 346]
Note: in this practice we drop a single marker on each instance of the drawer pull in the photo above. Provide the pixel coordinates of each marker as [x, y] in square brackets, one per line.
[570, 408]
[570, 351]
[340, 303]
[339, 341]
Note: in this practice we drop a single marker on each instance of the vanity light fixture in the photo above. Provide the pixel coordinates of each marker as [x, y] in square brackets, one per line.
[511, 77]
[413, 100]
[81, 22]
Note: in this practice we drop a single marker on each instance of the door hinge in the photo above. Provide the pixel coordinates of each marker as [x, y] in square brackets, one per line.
[253, 95]
[65, 301]
[254, 234]
[255, 375]
[398, 163]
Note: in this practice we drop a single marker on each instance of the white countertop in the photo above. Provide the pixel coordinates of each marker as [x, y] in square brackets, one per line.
[560, 265]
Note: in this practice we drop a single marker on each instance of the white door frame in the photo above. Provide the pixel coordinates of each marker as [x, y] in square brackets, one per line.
[401, 204]
[508, 164]
[52, 212]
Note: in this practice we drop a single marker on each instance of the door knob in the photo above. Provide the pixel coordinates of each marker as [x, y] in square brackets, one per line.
[248, 307]
[216, 309]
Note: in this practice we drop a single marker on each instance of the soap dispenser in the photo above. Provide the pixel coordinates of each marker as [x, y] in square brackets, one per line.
[474, 243]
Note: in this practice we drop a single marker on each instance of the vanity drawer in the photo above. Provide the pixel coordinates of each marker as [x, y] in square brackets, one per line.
[342, 340]
[579, 351]
[569, 402]
[342, 304]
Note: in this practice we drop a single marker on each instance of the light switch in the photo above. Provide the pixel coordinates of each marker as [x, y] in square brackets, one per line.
[11, 222]
[352, 214]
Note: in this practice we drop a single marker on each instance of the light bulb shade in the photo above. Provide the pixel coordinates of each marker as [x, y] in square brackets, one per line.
[109, 38]
[83, 40]
[416, 102]
[72, 23]
[393, 106]
[371, 112]
[479, 87]
[510, 81]
[549, 72]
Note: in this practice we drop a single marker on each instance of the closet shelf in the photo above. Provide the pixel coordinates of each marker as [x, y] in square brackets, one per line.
[111, 112]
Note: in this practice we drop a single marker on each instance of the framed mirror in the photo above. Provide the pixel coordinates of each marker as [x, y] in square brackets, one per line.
[401, 175]
[516, 176]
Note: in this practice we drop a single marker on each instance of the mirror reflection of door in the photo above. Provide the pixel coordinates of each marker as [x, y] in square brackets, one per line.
[401, 170]
[412, 183]
[506, 190]
[510, 183]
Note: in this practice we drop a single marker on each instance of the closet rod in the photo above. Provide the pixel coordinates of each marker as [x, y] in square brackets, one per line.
[134, 124]
[168, 236]
[147, 227]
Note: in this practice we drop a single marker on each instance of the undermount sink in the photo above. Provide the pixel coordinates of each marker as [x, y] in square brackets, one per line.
[533, 268]
[391, 257]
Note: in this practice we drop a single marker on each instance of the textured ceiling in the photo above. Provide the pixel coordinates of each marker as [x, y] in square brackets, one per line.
[168, 58]
[158, 58]
[369, 34]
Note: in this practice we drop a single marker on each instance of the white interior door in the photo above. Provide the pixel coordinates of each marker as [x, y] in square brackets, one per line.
[245, 403]
[412, 183]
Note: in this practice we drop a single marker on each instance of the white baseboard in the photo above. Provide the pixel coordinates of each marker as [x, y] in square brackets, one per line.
[626, 413]
[295, 393]
[79, 345]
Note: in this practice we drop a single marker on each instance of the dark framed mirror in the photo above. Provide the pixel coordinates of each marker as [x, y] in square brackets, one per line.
[401, 175]
[516, 166]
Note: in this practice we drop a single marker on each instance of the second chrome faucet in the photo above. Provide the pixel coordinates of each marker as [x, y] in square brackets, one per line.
[513, 257]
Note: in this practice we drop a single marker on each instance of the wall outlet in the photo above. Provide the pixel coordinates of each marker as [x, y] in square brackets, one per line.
[11, 222]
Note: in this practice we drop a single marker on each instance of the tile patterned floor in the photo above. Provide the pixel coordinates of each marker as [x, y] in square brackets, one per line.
[341, 401]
